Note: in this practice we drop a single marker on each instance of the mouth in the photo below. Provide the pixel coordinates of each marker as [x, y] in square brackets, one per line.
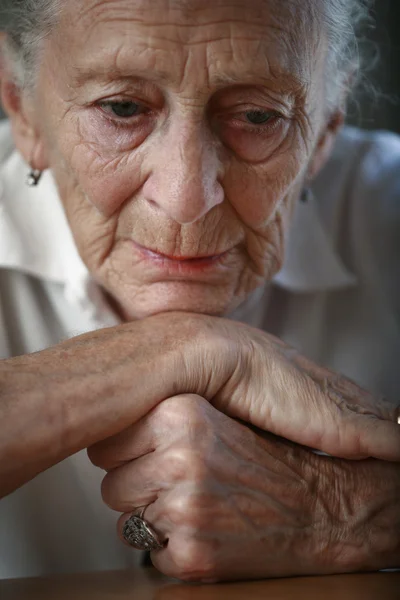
[178, 262]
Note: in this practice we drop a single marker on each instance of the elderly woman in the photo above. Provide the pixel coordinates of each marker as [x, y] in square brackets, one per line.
[169, 222]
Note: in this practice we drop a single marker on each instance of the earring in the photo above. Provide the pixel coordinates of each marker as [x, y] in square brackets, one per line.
[34, 178]
[305, 195]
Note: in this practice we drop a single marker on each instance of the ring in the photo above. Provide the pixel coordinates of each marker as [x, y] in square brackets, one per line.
[140, 535]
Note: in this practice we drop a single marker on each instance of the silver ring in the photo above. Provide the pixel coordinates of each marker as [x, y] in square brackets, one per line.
[140, 534]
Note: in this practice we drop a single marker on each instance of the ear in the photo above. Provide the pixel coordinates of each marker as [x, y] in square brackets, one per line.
[19, 107]
[326, 142]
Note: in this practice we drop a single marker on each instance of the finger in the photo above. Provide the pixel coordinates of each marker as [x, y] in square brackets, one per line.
[187, 558]
[182, 556]
[342, 433]
[294, 406]
[137, 483]
[141, 481]
[379, 439]
[142, 438]
[173, 560]
[170, 420]
[357, 428]
[151, 517]
[160, 536]
[132, 443]
[365, 425]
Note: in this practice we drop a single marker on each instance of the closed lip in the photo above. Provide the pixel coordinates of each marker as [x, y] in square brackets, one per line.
[189, 260]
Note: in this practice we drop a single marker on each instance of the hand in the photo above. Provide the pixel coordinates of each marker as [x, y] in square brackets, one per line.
[236, 506]
[94, 386]
[275, 388]
[253, 376]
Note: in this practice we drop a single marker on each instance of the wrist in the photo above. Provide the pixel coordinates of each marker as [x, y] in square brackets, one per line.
[206, 355]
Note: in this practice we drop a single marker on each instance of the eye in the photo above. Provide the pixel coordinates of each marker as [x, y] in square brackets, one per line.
[258, 117]
[122, 110]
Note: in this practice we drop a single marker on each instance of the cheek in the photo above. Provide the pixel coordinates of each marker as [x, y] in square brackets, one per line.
[256, 192]
[263, 197]
[108, 185]
[103, 169]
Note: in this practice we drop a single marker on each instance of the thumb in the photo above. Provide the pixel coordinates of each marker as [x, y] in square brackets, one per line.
[314, 407]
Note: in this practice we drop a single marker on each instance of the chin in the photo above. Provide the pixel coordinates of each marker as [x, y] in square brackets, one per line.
[178, 297]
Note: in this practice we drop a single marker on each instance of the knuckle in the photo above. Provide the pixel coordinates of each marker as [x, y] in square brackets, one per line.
[168, 410]
[193, 561]
[172, 412]
[193, 403]
[185, 463]
[190, 509]
[183, 408]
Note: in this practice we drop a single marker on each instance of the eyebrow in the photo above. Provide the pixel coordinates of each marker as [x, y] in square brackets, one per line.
[283, 80]
[84, 75]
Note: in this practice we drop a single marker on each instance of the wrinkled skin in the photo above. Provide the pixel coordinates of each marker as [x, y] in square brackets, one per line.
[192, 173]
[104, 381]
[235, 505]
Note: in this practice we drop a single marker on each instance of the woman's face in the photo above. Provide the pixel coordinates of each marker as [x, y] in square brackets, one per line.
[180, 134]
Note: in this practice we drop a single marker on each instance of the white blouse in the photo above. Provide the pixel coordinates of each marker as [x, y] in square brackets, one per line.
[337, 299]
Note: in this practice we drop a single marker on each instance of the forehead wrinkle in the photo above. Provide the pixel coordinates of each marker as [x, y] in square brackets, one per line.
[230, 50]
[274, 38]
[153, 71]
[186, 13]
[191, 10]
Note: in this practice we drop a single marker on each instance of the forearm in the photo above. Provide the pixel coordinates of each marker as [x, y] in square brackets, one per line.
[57, 402]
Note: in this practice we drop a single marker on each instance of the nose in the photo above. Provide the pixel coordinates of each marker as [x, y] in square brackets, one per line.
[184, 180]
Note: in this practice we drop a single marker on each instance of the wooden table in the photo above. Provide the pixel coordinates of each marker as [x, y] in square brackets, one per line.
[147, 584]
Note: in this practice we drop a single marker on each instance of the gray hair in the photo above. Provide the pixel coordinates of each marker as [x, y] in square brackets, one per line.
[352, 56]
[27, 22]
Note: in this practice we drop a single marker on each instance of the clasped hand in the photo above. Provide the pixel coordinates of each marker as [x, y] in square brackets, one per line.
[237, 503]
[230, 503]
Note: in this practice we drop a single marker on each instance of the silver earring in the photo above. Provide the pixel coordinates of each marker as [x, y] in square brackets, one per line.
[306, 195]
[34, 178]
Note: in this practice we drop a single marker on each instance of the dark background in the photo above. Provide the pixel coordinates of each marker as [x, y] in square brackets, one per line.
[384, 111]
[381, 110]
